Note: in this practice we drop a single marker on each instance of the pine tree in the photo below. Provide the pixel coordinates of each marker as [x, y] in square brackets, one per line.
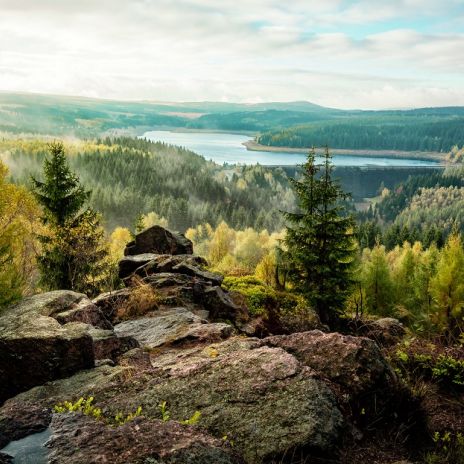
[319, 240]
[73, 250]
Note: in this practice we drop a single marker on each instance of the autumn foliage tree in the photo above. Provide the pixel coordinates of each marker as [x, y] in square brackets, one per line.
[19, 218]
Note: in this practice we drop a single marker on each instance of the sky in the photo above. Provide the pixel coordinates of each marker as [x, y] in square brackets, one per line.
[366, 54]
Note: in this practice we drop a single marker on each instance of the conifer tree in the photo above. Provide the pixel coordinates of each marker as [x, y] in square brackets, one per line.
[73, 251]
[319, 240]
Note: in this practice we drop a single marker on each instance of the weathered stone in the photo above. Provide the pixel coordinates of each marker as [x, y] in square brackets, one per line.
[219, 304]
[109, 302]
[107, 345]
[189, 269]
[386, 331]
[148, 264]
[129, 264]
[6, 459]
[137, 358]
[87, 312]
[77, 439]
[30, 411]
[172, 327]
[354, 363]
[157, 239]
[35, 348]
[262, 398]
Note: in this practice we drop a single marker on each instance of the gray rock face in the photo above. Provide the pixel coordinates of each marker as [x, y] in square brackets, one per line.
[354, 363]
[86, 312]
[36, 348]
[148, 264]
[78, 439]
[159, 240]
[172, 327]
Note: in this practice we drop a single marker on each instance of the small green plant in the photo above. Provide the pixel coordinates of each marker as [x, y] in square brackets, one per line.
[120, 419]
[449, 449]
[193, 420]
[449, 369]
[85, 406]
[82, 405]
[402, 356]
[165, 414]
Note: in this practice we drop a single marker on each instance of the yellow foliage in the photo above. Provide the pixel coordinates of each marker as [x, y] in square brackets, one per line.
[19, 224]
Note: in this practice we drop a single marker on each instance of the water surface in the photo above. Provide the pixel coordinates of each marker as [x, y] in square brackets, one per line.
[228, 148]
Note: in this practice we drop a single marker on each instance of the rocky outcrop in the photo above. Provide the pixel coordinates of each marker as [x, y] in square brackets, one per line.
[36, 348]
[171, 337]
[386, 331]
[173, 327]
[157, 239]
[77, 438]
[354, 363]
[51, 336]
[262, 399]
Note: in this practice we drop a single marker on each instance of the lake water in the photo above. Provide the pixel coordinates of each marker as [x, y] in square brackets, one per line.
[229, 148]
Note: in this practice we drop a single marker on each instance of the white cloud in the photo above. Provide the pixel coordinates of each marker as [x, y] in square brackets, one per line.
[231, 50]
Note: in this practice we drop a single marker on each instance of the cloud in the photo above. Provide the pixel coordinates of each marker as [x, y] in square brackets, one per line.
[230, 50]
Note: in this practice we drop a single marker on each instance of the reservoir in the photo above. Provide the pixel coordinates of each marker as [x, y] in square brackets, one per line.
[228, 148]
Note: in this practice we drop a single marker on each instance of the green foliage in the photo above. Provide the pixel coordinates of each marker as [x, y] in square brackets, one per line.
[193, 420]
[430, 362]
[320, 245]
[82, 405]
[420, 130]
[129, 177]
[449, 370]
[86, 406]
[73, 249]
[165, 414]
[259, 297]
[449, 449]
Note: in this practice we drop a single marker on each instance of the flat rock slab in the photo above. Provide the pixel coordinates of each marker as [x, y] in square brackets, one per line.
[78, 439]
[172, 327]
[262, 398]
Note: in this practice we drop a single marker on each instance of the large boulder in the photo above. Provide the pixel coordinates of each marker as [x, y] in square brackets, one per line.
[172, 327]
[260, 398]
[157, 239]
[77, 438]
[36, 348]
[354, 363]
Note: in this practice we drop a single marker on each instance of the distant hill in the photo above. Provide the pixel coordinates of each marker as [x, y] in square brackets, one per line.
[292, 124]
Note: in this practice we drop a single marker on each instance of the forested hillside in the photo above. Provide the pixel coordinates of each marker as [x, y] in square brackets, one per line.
[292, 124]
[129, 177]
[406, 132]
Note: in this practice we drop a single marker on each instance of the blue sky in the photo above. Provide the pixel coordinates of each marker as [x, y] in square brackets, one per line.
[339, 53]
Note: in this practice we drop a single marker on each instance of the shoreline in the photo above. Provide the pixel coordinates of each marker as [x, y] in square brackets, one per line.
[251, 145]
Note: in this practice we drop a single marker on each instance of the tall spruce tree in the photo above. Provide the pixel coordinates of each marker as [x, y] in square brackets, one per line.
[73, 251]
[320, 243]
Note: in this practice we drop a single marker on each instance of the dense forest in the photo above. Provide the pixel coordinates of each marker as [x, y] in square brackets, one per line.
[403, 133]
[129, 177]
